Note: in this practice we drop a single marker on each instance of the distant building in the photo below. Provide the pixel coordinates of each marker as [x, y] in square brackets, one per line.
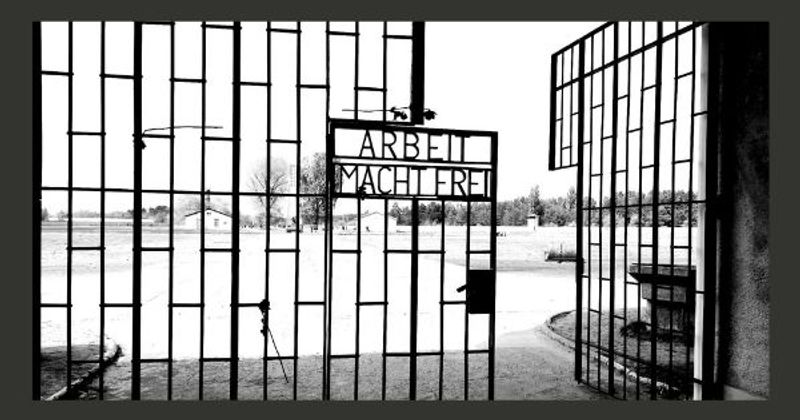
[533, 221]
[373, 222]
[215, 220]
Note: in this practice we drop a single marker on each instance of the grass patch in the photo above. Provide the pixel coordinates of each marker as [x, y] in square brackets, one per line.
[674, 358]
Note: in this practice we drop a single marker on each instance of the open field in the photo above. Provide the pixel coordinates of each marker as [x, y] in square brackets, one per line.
[529, 290]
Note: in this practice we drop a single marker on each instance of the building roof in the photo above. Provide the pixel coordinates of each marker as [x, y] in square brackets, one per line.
[210, 209]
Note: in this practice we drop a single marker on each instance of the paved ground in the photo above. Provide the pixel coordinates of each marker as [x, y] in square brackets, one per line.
[530, 366]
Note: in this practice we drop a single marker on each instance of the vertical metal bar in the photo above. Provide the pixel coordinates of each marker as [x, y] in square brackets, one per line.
[412, 392]
[442, 247]
[385, 227]
[561, 123]
[553, 102]
[137, 211]
[329, 216]
[355, 72]
[36, 345]
[493, 265]
[298, 219]
[466, 314]
[235, 154]
[579, 216]
[268, 211]
[590, 213]
[654, 217]
[69, 208]
[640, 207]
[672, 201]
[384, 70]
[627, 204]
[600, 206]
[171, 320]
[712, 220]
[689, 344]
[102, 350]
[417, 106]
[358, 300]
[329, 221]
[613, 216]
[385, 293]
[202, 207]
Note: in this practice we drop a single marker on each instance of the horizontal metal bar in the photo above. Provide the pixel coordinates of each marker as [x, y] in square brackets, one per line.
[338, 123]
[372, 303]
[259, 84]
[646, 88]
[346, 251]
[408, 251]
[282, 250]
[116, 305]
[408, 354]
[370, 89]
[117, 76]
[669, 121]
[480, 251]
[55, 305]
[284, 30]
[313, 86]
[186, 305]
[215, 359]
[390, 36]
[156, 249]
[154, 360]
[86, 133]
[218, 26]
[285, 141]
[275, 358]
[248, 305]
[56, 73]
[682, 75]
[342, 33]
[157, 136]
[477, 351]
[217, 249]
[453, 302]
[186, 80]
[86, 248]
[153, 22]
[679, 161]
[343, 356]
[217, 138]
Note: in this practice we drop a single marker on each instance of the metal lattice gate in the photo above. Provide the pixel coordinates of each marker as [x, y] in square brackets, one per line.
[183, 93]
[630, 111]
[123, 111]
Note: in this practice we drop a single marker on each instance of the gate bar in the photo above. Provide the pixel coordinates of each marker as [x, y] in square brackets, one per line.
[137, 214]
[412, 379]
[235, 154]
[36, 79]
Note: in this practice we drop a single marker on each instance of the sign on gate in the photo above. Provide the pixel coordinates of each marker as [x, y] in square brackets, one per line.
[377, 159]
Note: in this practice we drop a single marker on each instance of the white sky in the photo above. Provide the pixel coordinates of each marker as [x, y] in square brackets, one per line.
[479, 75]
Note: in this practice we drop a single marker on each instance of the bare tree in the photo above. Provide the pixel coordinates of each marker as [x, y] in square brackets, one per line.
[276, 177]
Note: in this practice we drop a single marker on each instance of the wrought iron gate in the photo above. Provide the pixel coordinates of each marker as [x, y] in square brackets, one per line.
[630, 110]
[475, 153]
[135, 95]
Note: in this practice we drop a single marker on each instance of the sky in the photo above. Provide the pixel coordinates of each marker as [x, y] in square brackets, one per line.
[479, 75]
